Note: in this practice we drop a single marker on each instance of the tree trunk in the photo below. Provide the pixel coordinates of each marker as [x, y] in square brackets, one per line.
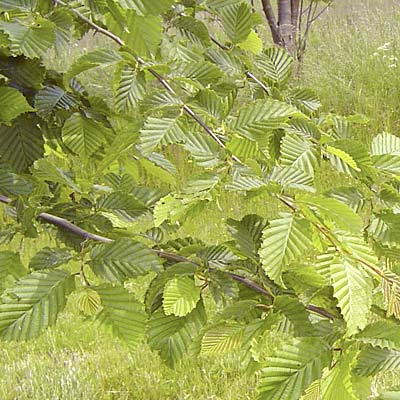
[269, 13]
[286, 28]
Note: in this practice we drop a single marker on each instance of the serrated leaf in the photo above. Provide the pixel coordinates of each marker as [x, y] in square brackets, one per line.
[342, 160]
[299, 153]
[33, 303]
[123, 259]
[82, 135]
[237, 21]
[353, 291]
[48, 258]
[88, 302]
[21, 143]
[123, 313]
[147, 7]
[222, 338]
[348, 195]
[53, 98]
[11, 269]
[276, 64]
[383, 334]
[372, 360]
[385, 143]
[12, 104]
[180, 296]
[333, 210]
[160, 131]
[387, 163]
[256, 118]
[292, 177]
[129, 88]
[305, 99]
[337, 384]
[13, 184]
[294, 367]
[284, 240]
[125, 205]
[252, 43]
[30, 38]
[194, 29]
[172, 336]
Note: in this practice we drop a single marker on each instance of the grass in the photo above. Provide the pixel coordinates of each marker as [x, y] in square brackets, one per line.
[353, 63]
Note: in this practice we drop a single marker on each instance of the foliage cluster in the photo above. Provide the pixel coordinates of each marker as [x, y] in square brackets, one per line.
[322, 275]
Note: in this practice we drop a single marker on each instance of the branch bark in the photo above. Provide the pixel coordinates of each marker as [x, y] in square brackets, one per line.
[270, 15]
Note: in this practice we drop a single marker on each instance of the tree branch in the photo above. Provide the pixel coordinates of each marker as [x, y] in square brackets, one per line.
[69, 226]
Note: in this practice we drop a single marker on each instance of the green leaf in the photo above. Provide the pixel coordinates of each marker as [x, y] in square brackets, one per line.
[173, 336]
[30, 38]
[26, 5]
[53, 98]
[12, 104]
[384, 334]
[21, 143]
[276, 64]
[284, 240]
[222, 338]
[300, 153]
[333, 210]
[237, 21]
[48, 258]
[353, 290]
[252, 43]
[129, 88]
[348, 195]
[372, 360]
[33, 304]
[194, 30]
[13, 184]
[337, 384]
[11, 269]
[83, 135]
[124, 205]
[160, 131]
[142, 33]
[255, 118]
[387, 163]
[385, 143]
[341, 160]
[247, 232]
[292, 177]
[294, 367]
[180, 296]
[123, 259]
[63, 24]
[305, 99]
[147, 7]
[123, 313]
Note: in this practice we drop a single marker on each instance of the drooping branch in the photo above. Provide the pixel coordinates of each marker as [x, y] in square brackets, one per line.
[69, 226]
[161, 79]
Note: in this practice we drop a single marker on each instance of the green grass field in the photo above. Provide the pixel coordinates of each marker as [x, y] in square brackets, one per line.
[353, 63]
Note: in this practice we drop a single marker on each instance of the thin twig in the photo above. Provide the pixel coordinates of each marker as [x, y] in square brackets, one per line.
[260, 83]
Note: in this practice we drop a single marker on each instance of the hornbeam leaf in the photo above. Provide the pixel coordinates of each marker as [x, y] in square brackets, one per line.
[372, 360]
[82, 135]
[147, 7]
[53, 98]
[123, 313]
[247, 232]
[30, 38]
[88, 301]
[387, 163]
[384, 334]
[385, 143]
[63, 25]
[173, 336]
[276, 64]
[284, 239]
[13, 184]
[353, 290]
[48, 258]
[12, 104]
[194, 30]
[237, 21]
[300, 153]
[348, 195]
[33, 304]
[294, 367]
[305, 99]
[256, 118]
[222, 338]
[11, 268]
[341, 160]
[129, 88]
[180, 296]
[160, 131]
[123, 259]
[21, 143]
[313, 392]
[338, 382]
[334, 210]
[292, 177]
[26, 5]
